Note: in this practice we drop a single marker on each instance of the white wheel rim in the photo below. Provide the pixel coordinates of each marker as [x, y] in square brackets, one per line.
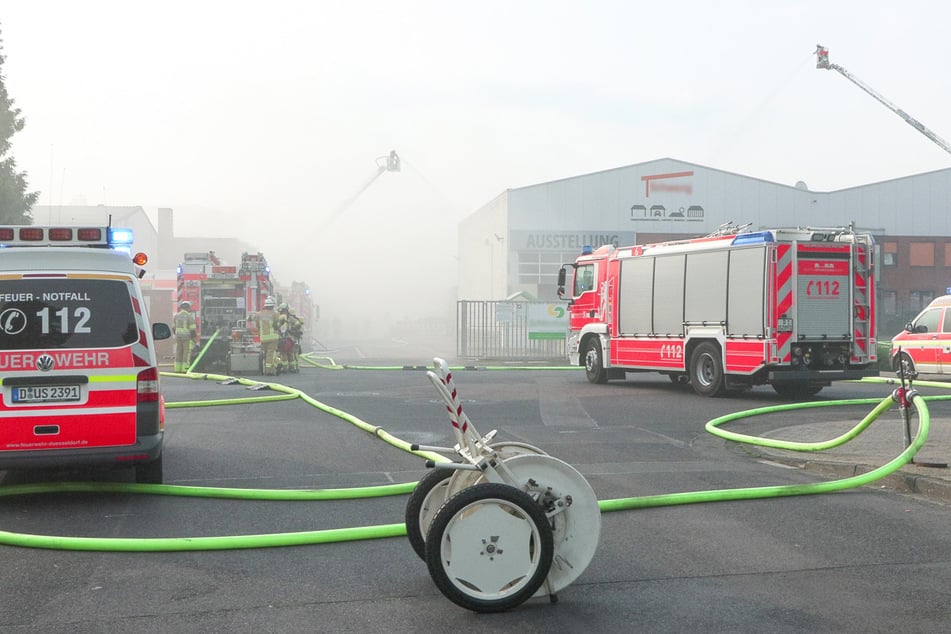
[490, 549]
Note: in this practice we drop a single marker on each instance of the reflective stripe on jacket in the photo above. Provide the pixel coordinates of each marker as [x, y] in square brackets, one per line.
[184, 325]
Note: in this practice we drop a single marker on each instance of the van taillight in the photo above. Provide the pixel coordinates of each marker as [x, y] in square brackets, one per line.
[147, 386]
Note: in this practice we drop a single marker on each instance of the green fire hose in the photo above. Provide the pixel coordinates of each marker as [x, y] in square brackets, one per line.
[394, 530]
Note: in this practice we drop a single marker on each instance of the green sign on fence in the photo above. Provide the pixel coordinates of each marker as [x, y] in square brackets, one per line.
[547, 321]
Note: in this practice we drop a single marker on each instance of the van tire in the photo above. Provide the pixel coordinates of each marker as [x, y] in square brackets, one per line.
[903, 359]
[149, 472]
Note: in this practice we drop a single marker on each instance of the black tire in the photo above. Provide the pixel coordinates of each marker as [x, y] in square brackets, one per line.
[149, 472]
[419, 511]
[800, 389]
[495, 504]
[903, 359]
[593, 358]
[706, 370]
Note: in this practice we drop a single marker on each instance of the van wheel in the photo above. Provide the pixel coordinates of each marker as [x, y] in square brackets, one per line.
[903, 359]
[594, 361]
[706, 370]
[149, 472]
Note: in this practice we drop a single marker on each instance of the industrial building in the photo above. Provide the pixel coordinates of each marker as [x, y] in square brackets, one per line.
[516, 243]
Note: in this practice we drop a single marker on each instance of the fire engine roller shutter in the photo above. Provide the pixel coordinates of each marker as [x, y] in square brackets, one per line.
[705, 287]
[822, 294]
[669, 294]
[747, 292]
[637, 287]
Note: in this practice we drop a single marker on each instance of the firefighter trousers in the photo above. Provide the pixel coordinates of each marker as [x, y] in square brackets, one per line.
[183, 354]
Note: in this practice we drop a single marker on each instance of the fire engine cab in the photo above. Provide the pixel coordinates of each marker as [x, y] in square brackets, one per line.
[793, 308]
[79, 380]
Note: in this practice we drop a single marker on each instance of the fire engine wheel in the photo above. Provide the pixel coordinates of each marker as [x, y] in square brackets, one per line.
[797, 389]
[425, 500]
[902, 359]
[706, 370]
[594, 361]
[489, 548]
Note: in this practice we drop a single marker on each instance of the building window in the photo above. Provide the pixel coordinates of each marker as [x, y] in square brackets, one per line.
[541, 267]
[890, 254]
[921, 254]
[889, 303]
[947, 253]
[919, 299]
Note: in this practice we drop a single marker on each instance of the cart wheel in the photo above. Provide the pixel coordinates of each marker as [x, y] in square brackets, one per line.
[489, 547]
[576, 530]
[424, 501]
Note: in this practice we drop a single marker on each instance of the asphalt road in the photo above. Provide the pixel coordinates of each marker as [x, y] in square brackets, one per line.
[864, 560]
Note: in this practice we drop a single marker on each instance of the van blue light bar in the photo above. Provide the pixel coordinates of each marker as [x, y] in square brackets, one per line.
[120, 237]
[758, 237]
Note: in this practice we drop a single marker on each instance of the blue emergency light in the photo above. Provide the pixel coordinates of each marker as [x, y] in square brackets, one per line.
[120, 237]
[757, 237]
[587, 249]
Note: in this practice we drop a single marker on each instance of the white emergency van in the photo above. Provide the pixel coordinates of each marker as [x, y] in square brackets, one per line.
[925, 343]
[79, 380]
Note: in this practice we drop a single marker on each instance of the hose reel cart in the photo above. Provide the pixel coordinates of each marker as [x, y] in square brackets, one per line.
[503, 524]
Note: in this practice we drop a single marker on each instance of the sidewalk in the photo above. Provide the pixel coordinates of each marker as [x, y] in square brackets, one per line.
[882, 441]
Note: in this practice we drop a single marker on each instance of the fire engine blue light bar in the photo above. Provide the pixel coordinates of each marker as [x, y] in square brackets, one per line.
[758, 237]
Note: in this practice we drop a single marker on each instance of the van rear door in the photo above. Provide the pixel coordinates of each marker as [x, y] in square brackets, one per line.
[70, 349]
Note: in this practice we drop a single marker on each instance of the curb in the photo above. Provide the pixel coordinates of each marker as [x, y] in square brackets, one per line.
[935, 489]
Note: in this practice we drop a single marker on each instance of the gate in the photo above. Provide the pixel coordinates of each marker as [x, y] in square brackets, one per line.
[502, 330]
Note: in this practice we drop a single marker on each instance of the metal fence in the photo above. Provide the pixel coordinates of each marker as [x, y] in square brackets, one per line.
[500, 330]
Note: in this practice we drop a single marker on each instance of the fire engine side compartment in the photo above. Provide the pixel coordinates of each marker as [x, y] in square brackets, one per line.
[668, 302]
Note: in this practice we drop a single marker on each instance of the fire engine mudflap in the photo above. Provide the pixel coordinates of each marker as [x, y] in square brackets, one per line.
[507, 523]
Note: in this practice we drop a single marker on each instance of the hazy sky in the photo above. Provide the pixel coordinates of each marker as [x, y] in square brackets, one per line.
[244, 113]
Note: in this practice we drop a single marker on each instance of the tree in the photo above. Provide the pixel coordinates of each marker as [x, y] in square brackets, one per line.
[15, 201]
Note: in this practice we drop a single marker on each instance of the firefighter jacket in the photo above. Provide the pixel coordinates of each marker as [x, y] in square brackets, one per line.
[266, 325]
[185, 325]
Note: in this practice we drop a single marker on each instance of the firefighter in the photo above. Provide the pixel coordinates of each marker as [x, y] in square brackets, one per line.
[266, 321]
[186, 336]
[287, 344]
[297, 332]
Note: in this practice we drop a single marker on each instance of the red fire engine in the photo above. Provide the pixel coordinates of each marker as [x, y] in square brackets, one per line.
[793, 308]
[222, 298]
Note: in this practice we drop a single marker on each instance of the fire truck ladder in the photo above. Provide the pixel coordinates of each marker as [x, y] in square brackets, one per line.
[822, 61]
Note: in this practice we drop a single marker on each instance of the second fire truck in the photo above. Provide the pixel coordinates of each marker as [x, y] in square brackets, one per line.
[222, 297]
[793, 308]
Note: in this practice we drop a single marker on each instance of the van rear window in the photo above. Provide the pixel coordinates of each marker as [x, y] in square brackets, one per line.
[65, 313]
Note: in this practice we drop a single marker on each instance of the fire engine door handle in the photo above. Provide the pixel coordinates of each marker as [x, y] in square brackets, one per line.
[590, 313]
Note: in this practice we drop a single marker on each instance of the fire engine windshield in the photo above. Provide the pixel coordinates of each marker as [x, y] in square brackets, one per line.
[584, 279]
[65, 313]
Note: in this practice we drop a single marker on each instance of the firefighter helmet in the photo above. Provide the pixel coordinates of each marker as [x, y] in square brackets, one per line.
[282, 308]
[269, 302]
[186, 305]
